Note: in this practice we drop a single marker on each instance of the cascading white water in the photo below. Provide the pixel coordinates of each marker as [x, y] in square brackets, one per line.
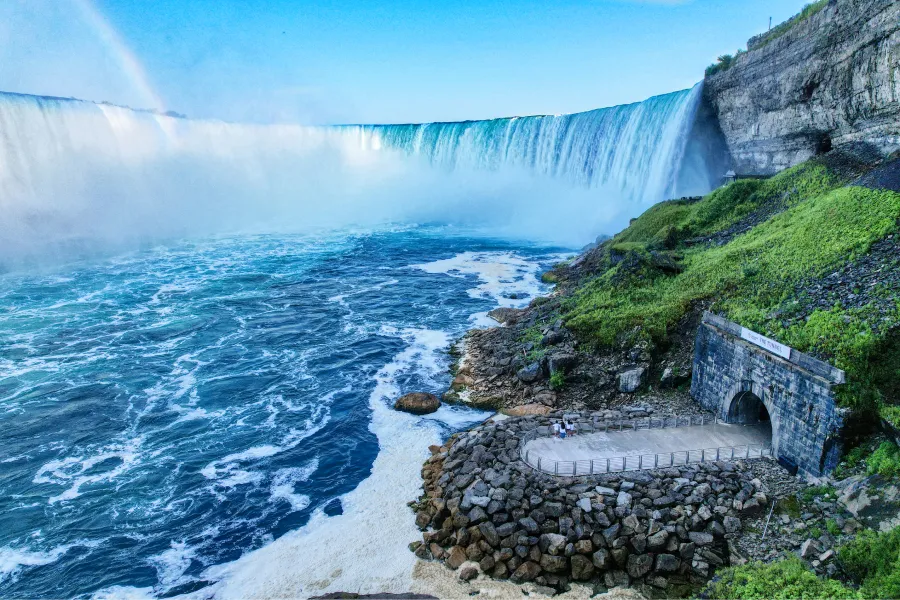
[74, 174]
[636, 149]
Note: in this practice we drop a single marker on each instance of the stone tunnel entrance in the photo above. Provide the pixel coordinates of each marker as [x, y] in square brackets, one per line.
[749, 379]
[748, 409]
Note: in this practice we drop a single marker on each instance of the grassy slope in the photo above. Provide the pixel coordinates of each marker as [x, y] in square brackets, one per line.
[752, 277]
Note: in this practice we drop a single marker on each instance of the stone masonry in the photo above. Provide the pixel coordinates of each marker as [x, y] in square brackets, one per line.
[732, 377]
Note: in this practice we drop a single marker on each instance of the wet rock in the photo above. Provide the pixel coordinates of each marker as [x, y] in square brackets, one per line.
[701, 539]
[732, 524]
[418, 403]
[809, 550]
[617, 578]
[506, 316]
[552, 543]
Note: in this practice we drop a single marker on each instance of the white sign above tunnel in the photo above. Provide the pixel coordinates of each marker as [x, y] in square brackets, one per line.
[764, 342]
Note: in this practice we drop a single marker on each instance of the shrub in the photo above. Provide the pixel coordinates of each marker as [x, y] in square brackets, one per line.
[832, 527]
[873, 561]
[723, 63]
[885, 461]
[891, 414]
[557, 380]
[751, 274]
[788, 579]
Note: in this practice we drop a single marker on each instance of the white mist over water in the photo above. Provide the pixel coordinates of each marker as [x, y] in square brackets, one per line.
[78, 177]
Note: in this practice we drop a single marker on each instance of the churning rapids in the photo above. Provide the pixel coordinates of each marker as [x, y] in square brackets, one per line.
[196, 401]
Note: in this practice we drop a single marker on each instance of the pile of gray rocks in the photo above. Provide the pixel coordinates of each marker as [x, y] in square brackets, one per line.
[486, 512]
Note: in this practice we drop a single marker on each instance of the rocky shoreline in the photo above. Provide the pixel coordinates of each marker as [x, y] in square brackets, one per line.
[486, 512]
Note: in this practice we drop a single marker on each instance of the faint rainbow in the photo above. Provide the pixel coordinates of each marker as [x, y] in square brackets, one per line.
[128, 62]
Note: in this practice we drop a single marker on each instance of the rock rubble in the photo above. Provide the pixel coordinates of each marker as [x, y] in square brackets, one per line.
[649, 529]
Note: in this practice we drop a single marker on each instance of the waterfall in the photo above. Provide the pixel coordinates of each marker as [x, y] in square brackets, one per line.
[637, 149]
[73, 172]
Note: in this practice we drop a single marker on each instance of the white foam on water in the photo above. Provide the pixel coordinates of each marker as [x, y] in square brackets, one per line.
[283, 482]
[228, 471]
[501, 275]
[364, 549]
[172, 563]
[124, 592]
[13, 560]
[72, 470]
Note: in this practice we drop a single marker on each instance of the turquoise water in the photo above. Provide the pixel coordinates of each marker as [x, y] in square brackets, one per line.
[169, 410]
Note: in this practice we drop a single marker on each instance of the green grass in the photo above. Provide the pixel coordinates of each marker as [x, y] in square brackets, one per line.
[753, 276]
[788, 579]
[820, 491]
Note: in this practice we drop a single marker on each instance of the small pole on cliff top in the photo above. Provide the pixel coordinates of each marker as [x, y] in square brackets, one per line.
[770, 23]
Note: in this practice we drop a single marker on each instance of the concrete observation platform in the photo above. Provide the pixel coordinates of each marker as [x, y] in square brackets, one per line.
[603, 452]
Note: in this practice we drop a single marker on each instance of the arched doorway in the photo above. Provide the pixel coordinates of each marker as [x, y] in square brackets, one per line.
[747, 409]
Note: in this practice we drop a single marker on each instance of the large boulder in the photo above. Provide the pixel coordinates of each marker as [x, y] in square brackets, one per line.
[631, 379]
[506, 316]
[561, 362]
[418, 403]
[528, 410]
[530, 373]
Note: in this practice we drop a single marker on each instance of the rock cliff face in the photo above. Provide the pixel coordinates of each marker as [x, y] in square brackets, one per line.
[832, 79]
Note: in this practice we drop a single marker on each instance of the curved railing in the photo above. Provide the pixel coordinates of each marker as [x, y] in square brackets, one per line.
[639, 462]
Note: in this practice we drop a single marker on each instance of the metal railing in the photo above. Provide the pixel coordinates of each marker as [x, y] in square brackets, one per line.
[639, 462]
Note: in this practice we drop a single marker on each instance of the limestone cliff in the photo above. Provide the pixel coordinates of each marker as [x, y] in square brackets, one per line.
[819, 81]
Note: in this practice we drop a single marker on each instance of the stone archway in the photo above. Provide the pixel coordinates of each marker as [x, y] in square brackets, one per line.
[748, 409]
[744, 377]
[747, 403]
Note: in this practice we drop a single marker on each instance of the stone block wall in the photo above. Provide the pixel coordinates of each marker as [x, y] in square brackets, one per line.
[806, 422]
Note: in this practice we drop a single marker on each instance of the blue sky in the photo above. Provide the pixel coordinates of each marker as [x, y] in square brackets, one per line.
[324, 61]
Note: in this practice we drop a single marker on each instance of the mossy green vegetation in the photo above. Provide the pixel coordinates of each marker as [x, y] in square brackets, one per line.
[788, 579]
[549, 277]
[885, 461]
[873, 561]
[557, 380]
[817, 225]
